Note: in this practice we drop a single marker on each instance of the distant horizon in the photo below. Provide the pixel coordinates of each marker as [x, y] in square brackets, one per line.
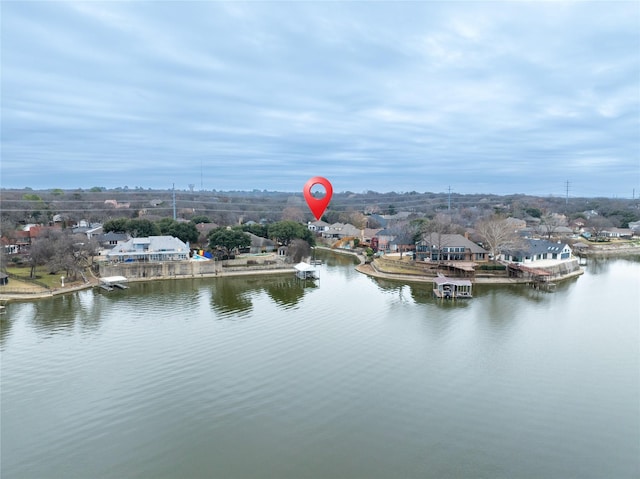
[635, 194]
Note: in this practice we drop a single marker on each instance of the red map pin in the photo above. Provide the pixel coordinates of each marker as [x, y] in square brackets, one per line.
[317, 205]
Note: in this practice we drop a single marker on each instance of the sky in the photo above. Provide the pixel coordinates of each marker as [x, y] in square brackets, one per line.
[538, 98]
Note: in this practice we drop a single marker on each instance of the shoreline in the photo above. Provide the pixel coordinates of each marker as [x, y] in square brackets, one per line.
[94, 283]
[363, 268]
[369, 270]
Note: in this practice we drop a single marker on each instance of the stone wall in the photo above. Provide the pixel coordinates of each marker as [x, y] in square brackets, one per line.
[562, 269]
[189, 269]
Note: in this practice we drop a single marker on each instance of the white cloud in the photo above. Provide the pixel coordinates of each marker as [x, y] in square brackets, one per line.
[501, 88]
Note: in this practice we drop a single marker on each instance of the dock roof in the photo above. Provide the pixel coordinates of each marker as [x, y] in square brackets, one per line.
[440, 280]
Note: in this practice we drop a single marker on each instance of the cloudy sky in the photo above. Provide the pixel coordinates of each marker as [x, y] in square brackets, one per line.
[496, 97]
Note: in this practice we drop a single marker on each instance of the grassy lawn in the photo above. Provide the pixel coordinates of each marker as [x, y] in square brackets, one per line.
[42, 275]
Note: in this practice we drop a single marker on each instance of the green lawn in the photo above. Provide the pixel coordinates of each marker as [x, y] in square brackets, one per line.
[42, 275]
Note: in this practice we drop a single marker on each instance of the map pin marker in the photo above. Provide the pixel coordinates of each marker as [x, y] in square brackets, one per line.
[317, 205]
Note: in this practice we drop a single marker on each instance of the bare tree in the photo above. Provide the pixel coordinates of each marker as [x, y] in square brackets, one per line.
[353, 217]
[497, 234]
[549, 224]
[40, 253]
[291, 213]
[598, 225]
[298, 249]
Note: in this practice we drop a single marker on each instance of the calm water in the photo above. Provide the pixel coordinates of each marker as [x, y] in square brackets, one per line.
[265, 378]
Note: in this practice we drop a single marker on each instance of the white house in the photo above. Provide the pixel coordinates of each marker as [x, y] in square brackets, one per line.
[536, 250]
[341, 230]
[318, 226]
[152, 248]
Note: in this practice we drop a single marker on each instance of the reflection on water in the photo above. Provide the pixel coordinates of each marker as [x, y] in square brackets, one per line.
[267, 376]
[236, 295]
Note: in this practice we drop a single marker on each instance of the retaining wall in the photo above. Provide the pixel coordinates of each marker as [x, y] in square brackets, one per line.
[188, 269]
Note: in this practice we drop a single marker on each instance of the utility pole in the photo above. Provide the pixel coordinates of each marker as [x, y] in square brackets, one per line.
[449, 206]
[567, 195]
[174, 201]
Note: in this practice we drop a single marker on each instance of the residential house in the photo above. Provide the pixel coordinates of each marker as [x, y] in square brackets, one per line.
[377, 219]
[22, 240]
[203, 231]
[402, 243]
[536, 250]
[90, 230]
[449, 247]
[369, 234]
[318, 226]
[382, 240]
[341, 230]
[152, 248]
[261, 245]
[634, 226]
[624, 233]
[111, 239]
[577, 225]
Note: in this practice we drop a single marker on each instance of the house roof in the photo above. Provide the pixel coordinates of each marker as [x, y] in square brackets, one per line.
[452, 241]
[387, 232]
[403, 239]
[538, 246]
[257, 241]
[320, 223]
[156, 244]
[444, 280]
[113, 236]
[304, 267]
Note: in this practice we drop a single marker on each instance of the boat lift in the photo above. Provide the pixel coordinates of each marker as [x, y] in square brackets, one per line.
[109, 283]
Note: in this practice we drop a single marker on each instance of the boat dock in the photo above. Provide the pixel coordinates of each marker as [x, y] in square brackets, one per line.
[306, 271]
[109, 283]
[451, 288]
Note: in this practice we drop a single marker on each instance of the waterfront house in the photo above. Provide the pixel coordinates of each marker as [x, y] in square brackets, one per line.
[624, 233]
[261, 245]
[90, 230]
[383, 239]
[318, 226]
[536, 250]
[341, 230]
[449, 247]
[152, 248]
[402, 243]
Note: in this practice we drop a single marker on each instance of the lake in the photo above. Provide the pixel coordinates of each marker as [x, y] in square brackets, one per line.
[353, 377]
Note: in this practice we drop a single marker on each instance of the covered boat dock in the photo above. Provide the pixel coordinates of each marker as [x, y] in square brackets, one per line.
[451, 288]
[108, 283]
[305, 271]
